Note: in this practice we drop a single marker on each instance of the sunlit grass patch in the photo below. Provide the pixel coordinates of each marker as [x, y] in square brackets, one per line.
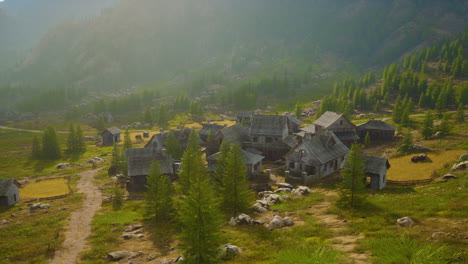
[308, 254]
[402, 169]
[44, 189]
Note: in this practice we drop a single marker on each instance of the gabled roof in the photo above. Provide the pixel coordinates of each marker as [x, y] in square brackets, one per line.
[376, 125]
[290, 141]
[324, 146]
[294, 120]
[271, 125]
[310, 129]
[347, 136]
[140, 159]
[156, 138]
[206, 128]
[248, 157]
[327, 119]
[235, 134]
[113, 130]
[244, 114]
[376, 165]
[6, 184]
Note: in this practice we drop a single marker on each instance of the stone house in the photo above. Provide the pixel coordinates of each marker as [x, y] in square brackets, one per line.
[378, 130]
[337, 123]
[9, 192]
[111, 136]
[314, 157]
[253, 162]
[139, 162]
[376, 169]
[271, 134]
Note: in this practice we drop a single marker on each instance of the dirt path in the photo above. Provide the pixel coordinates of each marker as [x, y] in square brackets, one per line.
[342, 239]
[80, 221]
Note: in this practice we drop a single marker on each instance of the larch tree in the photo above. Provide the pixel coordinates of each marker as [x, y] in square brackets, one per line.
[353, 186]
[71, 144]
[127, 140]
[159, 193]
[191, 165]
[117, 161]
[235, 187]
[173, 147]
[80, 141]
[36, 152]
[428, 125]
[221, 163]
[50, 144]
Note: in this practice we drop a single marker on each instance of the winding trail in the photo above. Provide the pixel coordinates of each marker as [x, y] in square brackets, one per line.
[80, 221]
[342, 239]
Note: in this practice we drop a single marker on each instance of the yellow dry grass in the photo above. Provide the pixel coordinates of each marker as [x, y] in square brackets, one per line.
[44, 189]
[402, 169]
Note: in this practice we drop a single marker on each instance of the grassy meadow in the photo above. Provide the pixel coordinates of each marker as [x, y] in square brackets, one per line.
[44, 189]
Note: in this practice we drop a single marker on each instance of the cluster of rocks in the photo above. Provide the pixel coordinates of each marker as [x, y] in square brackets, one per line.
[119, 255]
[137, 125]
[301, 191]
[279, 222]
[170, 261]
[267, 199]
[228, 251]
[420, 148]
[133, 231]
[4, 222]
[95, 160]
[93, 138]
[460, 166]
[244, 219]
[38, 206]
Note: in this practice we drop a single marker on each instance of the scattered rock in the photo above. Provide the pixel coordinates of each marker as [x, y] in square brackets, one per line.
[419, 148]
[276, 223]
[287, 221]
[228, 251]
[4, 222]
[95, 160]
[439, 235]
[262, 195]
[38, 206]
[118, 255]
[449, 176]
[405, 222]
[463, 157]
[460, 166]
[285, 185]
[126, 236]
[134, 255]
[150, 257]
[258, 222]
[257, 207]
[241, 219]
[283, 190]
[132, 228]
[300, 191]
[62, 166]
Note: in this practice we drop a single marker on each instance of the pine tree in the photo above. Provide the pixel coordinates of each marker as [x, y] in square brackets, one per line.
[367, 139]
[71, 144]
[221, 163]
[428, 127]
[191, 165]
[36, 151]
[50, 145]
[127, 140]
[235, 187]
[353, 189]
[173, 147]
[200, 219]
[80, 141]
[148, 117]
[460, 113]
[396, 115]
[159, 193]
[116, 161]
[406, 144]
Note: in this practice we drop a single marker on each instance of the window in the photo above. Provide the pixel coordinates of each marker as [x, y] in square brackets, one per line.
[255, 139]
[291, 165]
[14, 197]
[341, 122]
[268, 140]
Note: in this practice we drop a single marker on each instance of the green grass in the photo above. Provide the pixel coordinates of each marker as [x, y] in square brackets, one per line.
[107, 226]
[308, 254]
[34, 238]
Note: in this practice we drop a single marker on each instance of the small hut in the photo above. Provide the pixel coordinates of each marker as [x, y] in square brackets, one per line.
[376, 169]
[110, 136]
[9, 192]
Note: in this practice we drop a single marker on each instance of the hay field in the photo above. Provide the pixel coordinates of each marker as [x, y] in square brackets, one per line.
[402, 169]
[44, 189]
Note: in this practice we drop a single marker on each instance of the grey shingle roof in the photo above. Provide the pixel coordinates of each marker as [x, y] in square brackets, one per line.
[273, 125]
[319, 146]
[376, 165]
[248, 157]
[290, 141]
[206, 128]
[347, 136]
[309, 129]
[6, 184]
[376, 125]
[327, 119]
[244, 114]
[294, 120]
[235, 134]
[140, 159]
[114, 130]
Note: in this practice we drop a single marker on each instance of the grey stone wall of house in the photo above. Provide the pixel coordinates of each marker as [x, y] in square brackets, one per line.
[377, 182]
[109, 139]
[10, 195]
[376, 135]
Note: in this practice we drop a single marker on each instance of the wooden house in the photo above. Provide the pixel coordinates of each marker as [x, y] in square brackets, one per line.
[9, 192]
[208, 129]
[139, 162]
[337, 123]
[378, 130]
[235, 134]
[110, 136]
[156, 142]
[271, 134]
[252, 160]
[376, 169]
[315, 157]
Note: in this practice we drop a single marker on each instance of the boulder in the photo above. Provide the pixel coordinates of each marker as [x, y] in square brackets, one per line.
[276, 223]
[37, 206]
[287, 221]
[118, 255]
[264, 194]
[449, 176]
[150, 257]
[439, 235]
[126, 236]
[460, 166]
[285, 185]
[463, 157]
[419, 148]
[228, 251]
[132, 228]
[244, 219]
[62, 166]
[232, 221]
[257, 207]
[283, 190]
[405, 222]
[300, 191]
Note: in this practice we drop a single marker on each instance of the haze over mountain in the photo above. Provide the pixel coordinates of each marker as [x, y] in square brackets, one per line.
[140, 41]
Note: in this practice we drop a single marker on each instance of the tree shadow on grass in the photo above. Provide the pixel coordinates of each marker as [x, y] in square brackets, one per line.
[41, 165]
[162, 233]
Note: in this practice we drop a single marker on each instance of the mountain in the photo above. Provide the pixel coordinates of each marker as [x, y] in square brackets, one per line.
[138, 41]
[24, 22]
